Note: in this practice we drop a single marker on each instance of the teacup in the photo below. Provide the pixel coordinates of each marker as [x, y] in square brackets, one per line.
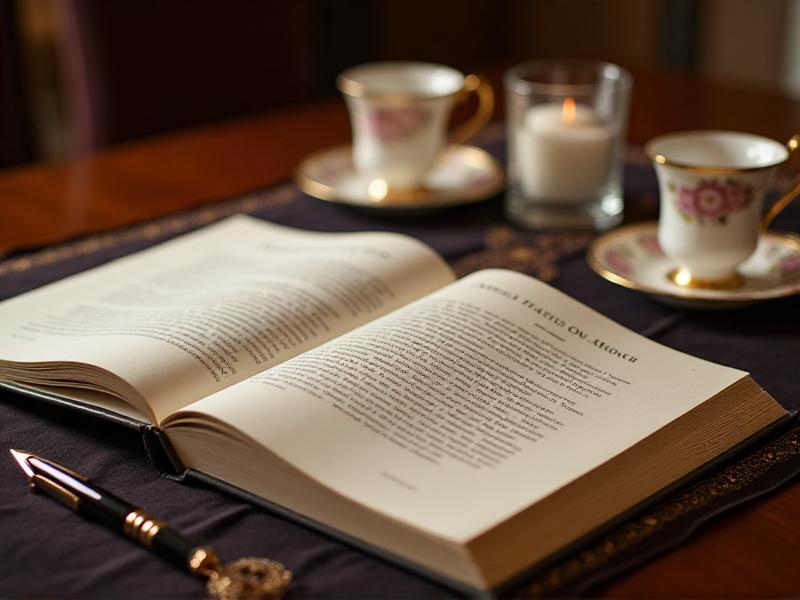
[399, 113]
[712, 186]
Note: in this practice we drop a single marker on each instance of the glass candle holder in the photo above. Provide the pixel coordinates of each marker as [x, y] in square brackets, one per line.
[566, 127]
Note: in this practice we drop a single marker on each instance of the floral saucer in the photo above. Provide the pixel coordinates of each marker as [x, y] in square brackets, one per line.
[463, 174]
[630, 256]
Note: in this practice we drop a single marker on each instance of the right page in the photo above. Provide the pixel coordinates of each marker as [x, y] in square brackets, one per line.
[497, 389]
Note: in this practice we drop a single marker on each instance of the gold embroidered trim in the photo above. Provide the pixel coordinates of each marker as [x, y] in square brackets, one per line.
[729, 480]
[521, 251]
[278, 196]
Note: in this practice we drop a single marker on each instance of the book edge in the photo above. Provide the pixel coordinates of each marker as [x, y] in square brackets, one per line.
[155, 443]
[76, 405]
[681, 483]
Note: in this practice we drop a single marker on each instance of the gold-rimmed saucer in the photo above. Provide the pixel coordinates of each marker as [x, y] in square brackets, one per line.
[463, 174]
[631, 257]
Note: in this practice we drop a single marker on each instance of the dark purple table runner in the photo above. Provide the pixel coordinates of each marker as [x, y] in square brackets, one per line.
[50, 552]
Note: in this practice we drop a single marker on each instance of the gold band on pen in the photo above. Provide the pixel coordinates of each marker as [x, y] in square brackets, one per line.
[142, 527]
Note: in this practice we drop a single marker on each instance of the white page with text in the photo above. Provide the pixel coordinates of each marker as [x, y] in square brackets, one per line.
[463, 408]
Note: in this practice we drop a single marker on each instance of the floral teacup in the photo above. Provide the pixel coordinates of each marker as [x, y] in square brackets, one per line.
[399, 113]
[712, 186]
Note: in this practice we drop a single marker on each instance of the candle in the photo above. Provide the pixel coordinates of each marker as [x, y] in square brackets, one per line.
[563, 153]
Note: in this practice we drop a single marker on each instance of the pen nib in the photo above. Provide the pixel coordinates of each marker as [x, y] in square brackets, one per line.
[22, 461]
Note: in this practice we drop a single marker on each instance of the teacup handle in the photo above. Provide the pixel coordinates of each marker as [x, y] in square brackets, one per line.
[480, 86]
[792, 145]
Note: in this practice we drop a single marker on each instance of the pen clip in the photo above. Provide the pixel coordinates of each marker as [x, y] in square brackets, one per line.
[55, 491]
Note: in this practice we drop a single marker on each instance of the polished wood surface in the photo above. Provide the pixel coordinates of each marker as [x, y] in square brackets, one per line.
[144, 179]
[753, 552]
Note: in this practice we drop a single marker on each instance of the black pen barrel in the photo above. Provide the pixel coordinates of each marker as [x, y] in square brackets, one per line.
[108, 509]
[83, 496]
[174, 547]
[139, 526]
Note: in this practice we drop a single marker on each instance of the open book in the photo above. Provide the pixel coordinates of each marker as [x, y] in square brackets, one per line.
[472, 427]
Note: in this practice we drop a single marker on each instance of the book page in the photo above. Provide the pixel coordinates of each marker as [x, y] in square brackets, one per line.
[497, 389]
[194, 315]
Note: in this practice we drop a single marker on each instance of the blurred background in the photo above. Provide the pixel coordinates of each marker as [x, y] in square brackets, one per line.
[79, 75]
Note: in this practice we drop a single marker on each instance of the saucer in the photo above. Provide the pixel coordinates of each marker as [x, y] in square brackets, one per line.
[462, 175]
[630, 256]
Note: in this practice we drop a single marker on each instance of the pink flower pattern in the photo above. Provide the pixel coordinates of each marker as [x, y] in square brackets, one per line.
[393, 124]
[617, 259]
[790, 265]
[712, 200]
[649, 242]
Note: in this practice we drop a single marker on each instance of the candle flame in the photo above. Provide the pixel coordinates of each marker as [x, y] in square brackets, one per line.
[568, 111]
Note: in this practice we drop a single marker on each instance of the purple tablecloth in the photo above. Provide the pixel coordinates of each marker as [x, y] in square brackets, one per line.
[48, 551]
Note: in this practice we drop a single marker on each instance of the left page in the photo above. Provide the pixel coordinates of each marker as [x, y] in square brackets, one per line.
[192, 316]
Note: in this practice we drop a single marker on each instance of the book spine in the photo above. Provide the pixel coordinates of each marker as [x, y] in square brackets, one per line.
[161, 453]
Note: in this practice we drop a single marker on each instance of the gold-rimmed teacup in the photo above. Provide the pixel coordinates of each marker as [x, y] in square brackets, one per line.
[712, 186]
[399, 113]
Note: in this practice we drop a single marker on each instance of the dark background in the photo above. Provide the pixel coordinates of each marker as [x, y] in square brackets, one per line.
[78, 75]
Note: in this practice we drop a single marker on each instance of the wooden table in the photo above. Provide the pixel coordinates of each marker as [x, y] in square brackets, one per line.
[753, 552]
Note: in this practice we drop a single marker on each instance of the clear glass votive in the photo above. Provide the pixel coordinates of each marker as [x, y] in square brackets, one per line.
[566, 129]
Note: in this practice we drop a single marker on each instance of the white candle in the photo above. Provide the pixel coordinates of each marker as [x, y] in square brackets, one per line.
[563, 153]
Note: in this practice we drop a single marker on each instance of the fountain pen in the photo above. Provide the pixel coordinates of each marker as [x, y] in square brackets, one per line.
[79, 494]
